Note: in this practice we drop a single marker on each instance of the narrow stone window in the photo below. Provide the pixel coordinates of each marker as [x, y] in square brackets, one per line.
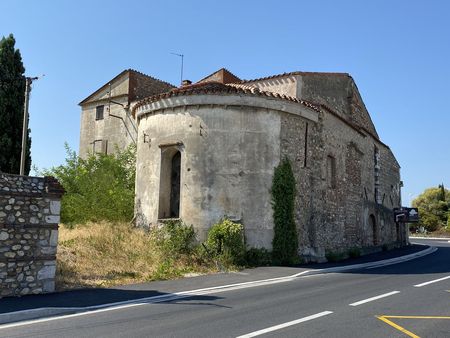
[175, 186]
[373, 225]
[376, 170]
[99, 112]
[331, 172]
[170, 183]
[306, 145]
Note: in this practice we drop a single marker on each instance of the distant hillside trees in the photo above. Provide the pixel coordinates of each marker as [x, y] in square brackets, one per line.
[434, 208]
[12, 96]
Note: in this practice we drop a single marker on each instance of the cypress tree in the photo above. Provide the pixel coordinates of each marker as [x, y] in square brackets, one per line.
[441, 192]
[12, 96]
[285, 240]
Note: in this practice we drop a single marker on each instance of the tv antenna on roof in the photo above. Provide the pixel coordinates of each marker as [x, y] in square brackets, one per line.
[182, 59]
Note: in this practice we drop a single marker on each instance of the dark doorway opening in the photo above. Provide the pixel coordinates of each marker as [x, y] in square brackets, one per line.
[175, 186]
[170, 183]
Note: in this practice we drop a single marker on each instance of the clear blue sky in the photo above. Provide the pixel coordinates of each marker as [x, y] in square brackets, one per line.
[398, 52]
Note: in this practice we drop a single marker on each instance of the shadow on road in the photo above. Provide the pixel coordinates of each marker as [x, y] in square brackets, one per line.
[92, 297]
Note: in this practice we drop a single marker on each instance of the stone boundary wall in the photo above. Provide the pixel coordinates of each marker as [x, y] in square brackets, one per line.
[29, 217]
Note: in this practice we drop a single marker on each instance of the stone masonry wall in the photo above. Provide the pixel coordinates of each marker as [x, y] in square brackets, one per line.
[29, 217]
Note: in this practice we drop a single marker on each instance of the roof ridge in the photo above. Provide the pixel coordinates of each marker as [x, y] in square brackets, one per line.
[294, 73]
[223, 68]
[226, 69]
[152, 77]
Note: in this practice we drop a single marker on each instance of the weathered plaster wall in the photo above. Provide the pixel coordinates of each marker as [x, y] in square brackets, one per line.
[118, 127]
[337, 91]
[228, 156]
[227, 160]
[118, 132]
[29, 217]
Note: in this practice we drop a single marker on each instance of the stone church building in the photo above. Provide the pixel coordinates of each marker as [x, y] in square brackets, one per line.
[208, 150]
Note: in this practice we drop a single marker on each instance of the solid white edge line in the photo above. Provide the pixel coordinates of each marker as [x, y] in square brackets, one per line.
[185, 294]
[374, 298]
[432, 238]
[282, 326]
[431, 282]
[151, 300]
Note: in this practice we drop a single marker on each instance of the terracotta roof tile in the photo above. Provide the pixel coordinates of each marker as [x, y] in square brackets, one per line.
[129, 70]
[216, 88]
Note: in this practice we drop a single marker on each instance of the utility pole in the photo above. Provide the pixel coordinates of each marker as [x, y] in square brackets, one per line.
[182, 61]
[28, 82]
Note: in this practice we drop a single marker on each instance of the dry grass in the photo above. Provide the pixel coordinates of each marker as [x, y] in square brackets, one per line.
[106, 254]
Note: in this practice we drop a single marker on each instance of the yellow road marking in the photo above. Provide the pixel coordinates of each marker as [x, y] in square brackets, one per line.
[398, 327]
[402, 329]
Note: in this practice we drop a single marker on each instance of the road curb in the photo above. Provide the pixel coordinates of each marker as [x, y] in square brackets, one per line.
[372, 265]
[24, 316]
[434, 238]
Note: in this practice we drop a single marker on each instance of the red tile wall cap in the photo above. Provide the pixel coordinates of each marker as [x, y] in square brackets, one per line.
[219, 88]
[294, 73]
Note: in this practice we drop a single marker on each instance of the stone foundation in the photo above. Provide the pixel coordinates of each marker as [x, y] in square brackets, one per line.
[29, 217]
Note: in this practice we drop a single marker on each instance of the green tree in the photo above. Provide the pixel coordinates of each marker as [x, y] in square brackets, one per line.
[441, 196]
[100, 187]
[433, 206]
[12, 96]
[285, 241]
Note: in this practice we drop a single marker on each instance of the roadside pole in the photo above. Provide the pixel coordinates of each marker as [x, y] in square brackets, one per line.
[28, 82]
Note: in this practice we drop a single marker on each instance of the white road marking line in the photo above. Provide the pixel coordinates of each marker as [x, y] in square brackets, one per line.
[282, 326]
[90, 310]
[431, 282]
[374, 298]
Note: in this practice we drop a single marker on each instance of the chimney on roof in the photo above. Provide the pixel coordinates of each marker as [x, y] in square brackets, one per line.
[186, 83]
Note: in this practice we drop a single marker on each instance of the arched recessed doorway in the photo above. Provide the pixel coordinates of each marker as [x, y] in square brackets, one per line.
[170, 183]
[373, 226]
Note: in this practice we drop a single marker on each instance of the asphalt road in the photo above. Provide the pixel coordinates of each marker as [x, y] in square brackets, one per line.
[410, 299]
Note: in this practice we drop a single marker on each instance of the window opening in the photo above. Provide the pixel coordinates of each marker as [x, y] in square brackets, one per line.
[170, 183]
[99, 112]
[373, 225]
[331, 172]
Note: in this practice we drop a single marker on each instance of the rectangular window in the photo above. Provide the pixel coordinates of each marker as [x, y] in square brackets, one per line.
[100, 147]
[331, 172]
[99, 112]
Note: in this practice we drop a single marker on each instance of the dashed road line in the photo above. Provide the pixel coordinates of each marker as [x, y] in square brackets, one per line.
[431, 282]
[287, 324]
[374, 298]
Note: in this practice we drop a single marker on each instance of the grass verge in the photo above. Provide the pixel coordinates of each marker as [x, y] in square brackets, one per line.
[106, 254]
